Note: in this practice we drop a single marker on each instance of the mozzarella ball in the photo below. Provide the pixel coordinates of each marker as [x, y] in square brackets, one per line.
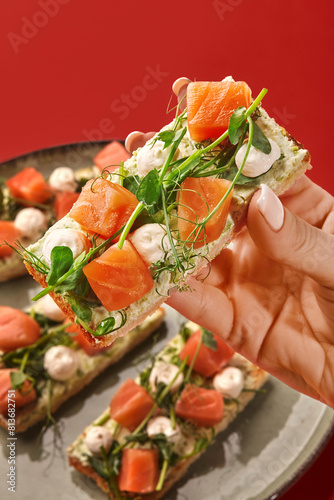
[163, 425]
[152, 156]
[151, 242]
[257, 162]
[75, 240]
[165, 372]
[185, 445]
[96, 437]
[31, 222]
[63, 179]
[229, 382]
[61, 362]
[47, 306]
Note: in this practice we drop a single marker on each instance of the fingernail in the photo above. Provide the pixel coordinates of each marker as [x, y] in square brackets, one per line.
[271, 208]
[179, 84]
[131, 139]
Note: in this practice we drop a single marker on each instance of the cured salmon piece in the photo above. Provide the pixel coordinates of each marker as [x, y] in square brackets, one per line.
[130, 404]
[23, 396]
[111, 156]
[198, 198]
[139, 471]
[29, 184]
[119, 276]
[17, 329]
[202, 407]
[103, 207]
[64, 201]
[208, 361]
[8, 233]
[211, 104]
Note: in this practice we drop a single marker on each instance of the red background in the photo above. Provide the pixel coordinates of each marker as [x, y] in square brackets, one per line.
[75, 70]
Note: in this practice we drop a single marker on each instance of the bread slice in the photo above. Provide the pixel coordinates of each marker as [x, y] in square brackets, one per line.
[254, 379]
[292, 164]
[90, 367]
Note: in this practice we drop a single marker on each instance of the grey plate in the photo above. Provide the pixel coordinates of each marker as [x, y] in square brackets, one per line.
[264, 450]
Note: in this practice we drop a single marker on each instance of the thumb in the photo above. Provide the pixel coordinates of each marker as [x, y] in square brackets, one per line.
[290, 240]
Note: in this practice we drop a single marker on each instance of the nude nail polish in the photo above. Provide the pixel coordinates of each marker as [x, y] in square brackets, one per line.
[271, 208]
[179, 84]
[130, 140]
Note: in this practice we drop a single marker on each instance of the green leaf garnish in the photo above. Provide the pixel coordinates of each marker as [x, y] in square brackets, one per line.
[80, 307]
[61, 262]
[148, 191]
[168, 137]
[260, 141]
[17, 379]
[236, 124]
[108, 325]
[131, 183]
[209, 340]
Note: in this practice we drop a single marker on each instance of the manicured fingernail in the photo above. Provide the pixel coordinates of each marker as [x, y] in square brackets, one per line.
[131, 139]
[179, 84]
[271, 208]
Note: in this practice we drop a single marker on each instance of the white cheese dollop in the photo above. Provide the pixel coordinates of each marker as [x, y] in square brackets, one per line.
[257, 162]
[75, 240]
[185, 445]
[47, 306]
[31, 222]
[163, 425]
[152, 156]
[61, 362]
[165, 372]
[63, 179]
[96, 437]
[229, 382]
[151, 242]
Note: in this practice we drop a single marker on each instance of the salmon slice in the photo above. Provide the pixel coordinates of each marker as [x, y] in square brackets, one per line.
[17, 329]
[119, 276]
[139, 471]
[9, 234]
[203, 407]
[103, 207]
[197, 199]
[26, 394]
[111, 156]
[211, 104]
[130, 404]
[207, 361]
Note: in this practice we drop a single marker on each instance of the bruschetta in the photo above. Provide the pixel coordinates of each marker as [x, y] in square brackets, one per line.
[157, 425]
[137, 233]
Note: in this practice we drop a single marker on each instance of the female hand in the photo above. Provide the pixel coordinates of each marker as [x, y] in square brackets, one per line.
[270, 296]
